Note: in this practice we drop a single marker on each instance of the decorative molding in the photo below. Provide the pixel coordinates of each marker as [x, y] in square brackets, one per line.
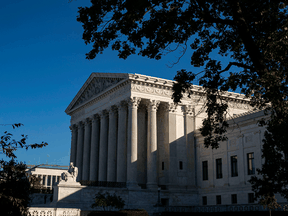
[189, 109]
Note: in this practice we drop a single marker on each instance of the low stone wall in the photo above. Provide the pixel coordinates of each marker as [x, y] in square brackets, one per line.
[45, 211]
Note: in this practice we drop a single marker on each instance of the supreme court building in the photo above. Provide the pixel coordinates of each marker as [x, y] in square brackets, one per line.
[127, 130]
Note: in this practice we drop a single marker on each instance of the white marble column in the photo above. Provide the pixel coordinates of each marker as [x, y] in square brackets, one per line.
[122, 143]
[102, 175]
[86, 150]
[189, 121]
[171, 140]
[112, 145]
[73, 129]
[132, 143]
[79, 157]
[94, 154]
[152, 106]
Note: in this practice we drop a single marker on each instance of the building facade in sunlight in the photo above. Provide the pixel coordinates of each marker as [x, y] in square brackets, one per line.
[127, 131]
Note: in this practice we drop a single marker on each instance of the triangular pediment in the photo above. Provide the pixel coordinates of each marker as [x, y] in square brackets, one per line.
[96, 84]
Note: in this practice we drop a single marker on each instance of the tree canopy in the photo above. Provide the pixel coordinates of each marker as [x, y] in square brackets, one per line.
[15, 188]
[252, 34]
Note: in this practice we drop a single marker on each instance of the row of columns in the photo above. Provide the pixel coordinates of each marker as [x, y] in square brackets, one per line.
[101, 152]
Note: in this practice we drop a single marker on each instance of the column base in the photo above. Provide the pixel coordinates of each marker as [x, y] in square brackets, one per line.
[133, 185]
[152, 186]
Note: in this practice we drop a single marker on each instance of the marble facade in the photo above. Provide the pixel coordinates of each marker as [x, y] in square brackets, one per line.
[126, 128]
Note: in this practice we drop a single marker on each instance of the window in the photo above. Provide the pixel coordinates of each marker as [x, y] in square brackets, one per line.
[180, 165]
[44, 180]
[204, 200]
[53, 180]
[162, 165]
[234, 198]
[58, 178]
[234, 169]
[219, 168]
[250, 163]
[218, 200]
[250, 197]
[49, 180]
[205, 170]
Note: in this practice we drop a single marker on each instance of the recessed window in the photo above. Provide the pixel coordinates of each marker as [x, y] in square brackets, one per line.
[204, 200]
[219, 168]
[250, 163]
[234, 167]
[218, 200]
[162, 165]
[205, 170]
[180, 165]
[44, 180]
[49, 180]
[234, 198]
[250, 197]
[58, 178]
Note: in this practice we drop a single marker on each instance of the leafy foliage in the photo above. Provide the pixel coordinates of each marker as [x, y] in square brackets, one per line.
[107, 200]
[15, 188]
[252, 35]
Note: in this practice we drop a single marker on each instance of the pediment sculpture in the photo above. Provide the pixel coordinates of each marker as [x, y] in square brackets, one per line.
[96, 86]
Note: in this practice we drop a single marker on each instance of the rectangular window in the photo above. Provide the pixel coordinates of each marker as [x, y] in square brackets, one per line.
[250, 163]
[180, 165]
[219, 168]
[205, 170]
[218, 200]
[162, 165]
[53, 180]
[234, 168]
[44, 180]
[58, 178]
[49, 180]
[250, 197]
[234, 198]
[204, 200]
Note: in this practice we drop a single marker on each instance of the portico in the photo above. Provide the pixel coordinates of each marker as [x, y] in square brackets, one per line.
[126, 128]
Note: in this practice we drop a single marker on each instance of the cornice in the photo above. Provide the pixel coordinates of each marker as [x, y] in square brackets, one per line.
[149, 85]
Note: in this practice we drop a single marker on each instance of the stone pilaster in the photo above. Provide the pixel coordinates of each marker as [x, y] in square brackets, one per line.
[94, 155]
[103, 150]
[86, 150]
[79, 156]
[73, 129]
[133, 104]
[189, 121]
[152, 106]
[122, 143]
[112, 145]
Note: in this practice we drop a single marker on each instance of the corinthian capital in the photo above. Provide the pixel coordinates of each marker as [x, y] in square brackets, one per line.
[133, 102]
[153, 104]
[170, 107]
[188, 110]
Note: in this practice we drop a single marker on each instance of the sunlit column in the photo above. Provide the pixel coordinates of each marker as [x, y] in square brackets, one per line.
[79, 158]
[86, 151]
[112, 145]
[94, 155]
[152, 106]
[73, 129]
[132, 142]
[103, 146]
[122, 143]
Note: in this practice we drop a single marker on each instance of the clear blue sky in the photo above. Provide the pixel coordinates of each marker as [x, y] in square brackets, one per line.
[43, 66]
